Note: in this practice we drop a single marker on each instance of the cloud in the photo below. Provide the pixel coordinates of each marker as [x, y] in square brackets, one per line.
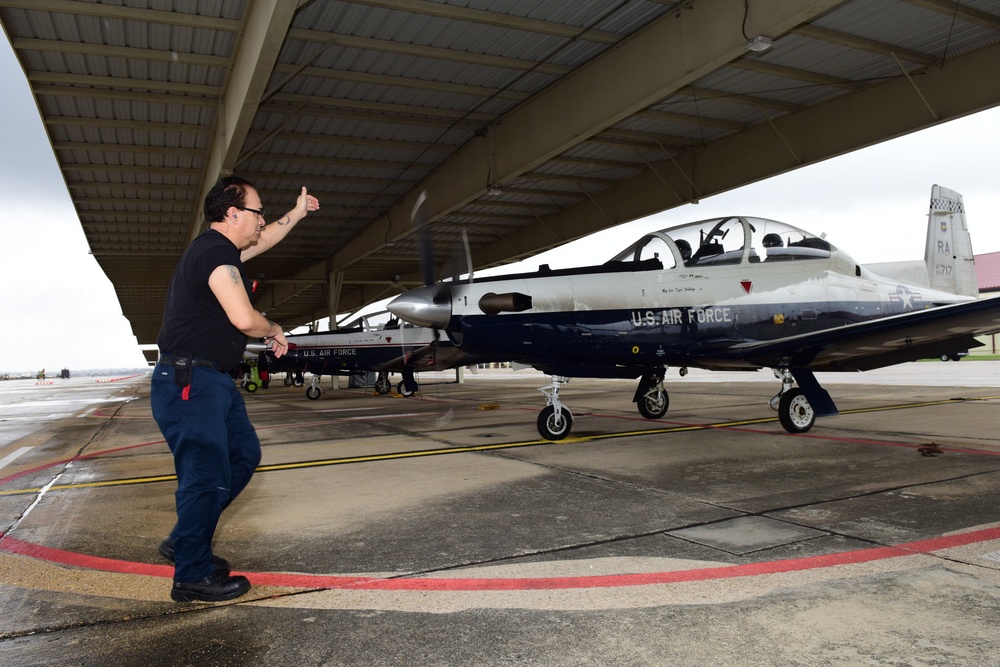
[56, 297]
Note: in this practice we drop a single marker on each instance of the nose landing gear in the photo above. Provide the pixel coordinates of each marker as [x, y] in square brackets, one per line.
[554, 421]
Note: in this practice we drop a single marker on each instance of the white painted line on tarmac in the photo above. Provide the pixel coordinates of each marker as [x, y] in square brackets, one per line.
[10, 457]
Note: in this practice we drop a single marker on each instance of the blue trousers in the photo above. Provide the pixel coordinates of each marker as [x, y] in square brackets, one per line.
[215, 452]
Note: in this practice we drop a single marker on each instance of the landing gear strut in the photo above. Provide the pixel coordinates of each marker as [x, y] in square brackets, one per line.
[554, 421]
[313, 391]
[795, 411]
[408, 385]
[382, 383]
[650, 396]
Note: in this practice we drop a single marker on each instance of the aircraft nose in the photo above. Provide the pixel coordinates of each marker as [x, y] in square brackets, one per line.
[428, 306]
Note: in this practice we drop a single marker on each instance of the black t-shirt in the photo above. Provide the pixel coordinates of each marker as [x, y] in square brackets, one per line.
[193, 319]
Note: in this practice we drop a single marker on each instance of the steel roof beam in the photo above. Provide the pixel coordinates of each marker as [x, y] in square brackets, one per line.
[125, 13]
[252, 62]
[494, 19]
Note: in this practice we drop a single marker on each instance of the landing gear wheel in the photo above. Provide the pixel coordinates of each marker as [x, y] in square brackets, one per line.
[313, 392]
[654, 404]
[403, 390]
[795, 412]
[547, 426]
[382, 384]
[298, 380]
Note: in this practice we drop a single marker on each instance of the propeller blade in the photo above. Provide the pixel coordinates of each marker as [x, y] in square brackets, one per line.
[468, 254]
[418, 219]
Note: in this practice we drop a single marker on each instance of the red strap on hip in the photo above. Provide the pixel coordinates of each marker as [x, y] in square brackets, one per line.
[185, 393]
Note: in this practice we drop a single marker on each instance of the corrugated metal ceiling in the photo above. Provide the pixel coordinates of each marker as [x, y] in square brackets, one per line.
[584, 113]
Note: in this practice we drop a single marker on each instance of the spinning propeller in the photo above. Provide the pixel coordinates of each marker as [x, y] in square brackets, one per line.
[430, 305]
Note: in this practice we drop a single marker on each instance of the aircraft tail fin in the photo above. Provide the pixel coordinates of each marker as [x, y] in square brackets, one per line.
[948, 255]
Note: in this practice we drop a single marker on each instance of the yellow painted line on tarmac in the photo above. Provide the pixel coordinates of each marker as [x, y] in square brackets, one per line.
[129, 481]
[922, 404]
[370, 458]
[318, 463]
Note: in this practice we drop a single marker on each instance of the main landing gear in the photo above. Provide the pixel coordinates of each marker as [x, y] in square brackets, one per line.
[382, 384]
[406, 387]
[796, 411]
[650, 396]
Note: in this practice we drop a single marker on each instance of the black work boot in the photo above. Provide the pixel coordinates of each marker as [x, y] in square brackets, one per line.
[216, 587]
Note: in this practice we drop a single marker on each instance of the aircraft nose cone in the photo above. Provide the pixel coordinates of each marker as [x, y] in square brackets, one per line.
[425, 306]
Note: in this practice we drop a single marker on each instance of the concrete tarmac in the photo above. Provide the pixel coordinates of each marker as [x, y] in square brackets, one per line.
[440, 530]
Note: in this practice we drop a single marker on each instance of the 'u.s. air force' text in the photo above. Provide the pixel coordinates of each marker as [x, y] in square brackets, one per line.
[335, 352]
[701, 315]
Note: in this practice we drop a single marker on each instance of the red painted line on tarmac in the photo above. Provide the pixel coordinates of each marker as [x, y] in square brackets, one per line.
[74, 559]
[919, 547]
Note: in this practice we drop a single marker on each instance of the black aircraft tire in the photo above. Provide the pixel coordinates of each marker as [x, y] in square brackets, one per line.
[313, 393]
[651, 408]
[795, 412]
[288, 380]
[382, 385]
[402, 390]
[548, 429]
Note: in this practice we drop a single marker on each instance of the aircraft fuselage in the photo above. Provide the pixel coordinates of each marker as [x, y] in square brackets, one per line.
[650, 307]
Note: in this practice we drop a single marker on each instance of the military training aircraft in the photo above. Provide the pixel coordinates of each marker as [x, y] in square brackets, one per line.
[362, 347]
[731, 293]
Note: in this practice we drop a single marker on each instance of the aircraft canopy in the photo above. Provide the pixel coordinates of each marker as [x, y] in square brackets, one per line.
[727, 241]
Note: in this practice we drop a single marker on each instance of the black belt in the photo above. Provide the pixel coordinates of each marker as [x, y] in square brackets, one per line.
[172, 359]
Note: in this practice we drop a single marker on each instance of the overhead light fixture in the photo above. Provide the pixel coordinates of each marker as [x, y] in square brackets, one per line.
[759, 44]
[494, 190]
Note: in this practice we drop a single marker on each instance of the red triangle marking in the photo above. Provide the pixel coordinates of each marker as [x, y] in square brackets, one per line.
[747, 285]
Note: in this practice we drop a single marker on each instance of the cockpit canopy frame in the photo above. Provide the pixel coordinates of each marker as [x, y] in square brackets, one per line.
[730, 240]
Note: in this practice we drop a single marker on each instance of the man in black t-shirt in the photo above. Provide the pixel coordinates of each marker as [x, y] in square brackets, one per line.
[206, 322]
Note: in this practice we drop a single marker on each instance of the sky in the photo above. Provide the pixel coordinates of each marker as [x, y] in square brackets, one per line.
[61, 311]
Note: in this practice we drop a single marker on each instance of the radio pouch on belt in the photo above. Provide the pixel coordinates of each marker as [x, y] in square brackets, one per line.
[182, 372]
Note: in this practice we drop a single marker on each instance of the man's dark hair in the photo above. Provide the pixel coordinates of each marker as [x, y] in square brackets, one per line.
[229, 191]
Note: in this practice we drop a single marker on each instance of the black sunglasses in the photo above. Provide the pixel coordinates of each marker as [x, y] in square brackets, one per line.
[258, 211]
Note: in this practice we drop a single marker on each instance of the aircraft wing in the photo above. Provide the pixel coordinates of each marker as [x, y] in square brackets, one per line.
[863, 346]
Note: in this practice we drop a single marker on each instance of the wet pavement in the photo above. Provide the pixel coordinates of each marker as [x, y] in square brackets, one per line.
[440, 530]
